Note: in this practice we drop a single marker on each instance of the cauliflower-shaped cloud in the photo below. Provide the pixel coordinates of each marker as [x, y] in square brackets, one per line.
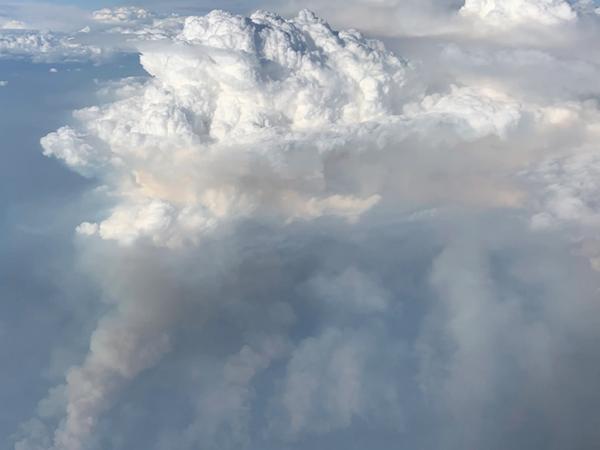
[246, 115]
[238, 117]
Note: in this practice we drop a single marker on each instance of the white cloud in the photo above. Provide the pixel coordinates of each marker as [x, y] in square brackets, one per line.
[45, 47]
[271, 97]
[385, 17]
[509, 13]
[106, 33]
[122, 15]
[475, 113]
[239, 120]
[3, 83]
[270, 119]
[10, 24]
[133, 23]
[87, 229]
[77, 154]
[569, 188]
[302, 234]
[265, 90]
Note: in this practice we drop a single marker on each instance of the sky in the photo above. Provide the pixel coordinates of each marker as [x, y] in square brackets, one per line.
[299, 224]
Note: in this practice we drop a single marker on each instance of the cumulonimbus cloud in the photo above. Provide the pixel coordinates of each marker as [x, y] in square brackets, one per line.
[366, 239]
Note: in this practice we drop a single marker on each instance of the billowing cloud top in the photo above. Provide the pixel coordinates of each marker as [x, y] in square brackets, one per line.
[234, 107]
[248, 112]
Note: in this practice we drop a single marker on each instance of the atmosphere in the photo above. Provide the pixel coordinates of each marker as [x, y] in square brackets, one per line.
[300, 225]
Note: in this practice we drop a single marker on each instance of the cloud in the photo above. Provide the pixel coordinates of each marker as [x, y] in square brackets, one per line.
[11, 24]
[268, 88]
[476, 113]
[45, 47]
[133, 23]
[265, 94]
[470, 376]
[306, 240]
[240, 129]
[568, 190]
[326, 383]
[511, 13]
[122, 15]
[91, 37]
[386, 17]
[521, 70]
[3, 83]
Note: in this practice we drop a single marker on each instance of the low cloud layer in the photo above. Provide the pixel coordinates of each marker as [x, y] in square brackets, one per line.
[311, 237]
